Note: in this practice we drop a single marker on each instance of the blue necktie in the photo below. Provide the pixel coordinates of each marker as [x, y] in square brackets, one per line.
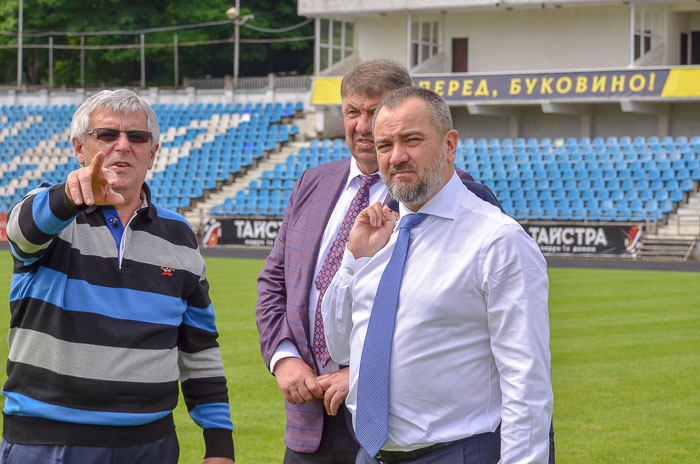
[372, 422]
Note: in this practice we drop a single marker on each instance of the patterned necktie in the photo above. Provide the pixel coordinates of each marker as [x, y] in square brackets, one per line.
[332, 263]
[372, 422]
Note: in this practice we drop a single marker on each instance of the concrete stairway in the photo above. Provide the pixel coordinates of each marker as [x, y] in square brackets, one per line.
[307, 130]
[200, 210]
[666, 249]
[676, 240]
[685, 221]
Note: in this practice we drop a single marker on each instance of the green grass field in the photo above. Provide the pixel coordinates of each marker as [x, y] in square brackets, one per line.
[625, 365]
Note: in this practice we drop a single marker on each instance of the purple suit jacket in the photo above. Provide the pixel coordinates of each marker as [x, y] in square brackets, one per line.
[282, 311]
[284, 284]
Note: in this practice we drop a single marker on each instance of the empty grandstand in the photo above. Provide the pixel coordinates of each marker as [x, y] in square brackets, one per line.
[208, 148]
[202, 146]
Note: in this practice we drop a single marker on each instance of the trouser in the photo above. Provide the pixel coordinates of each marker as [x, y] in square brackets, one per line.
[163, 451]
[484, 448]
[337, 443]
[480, 451]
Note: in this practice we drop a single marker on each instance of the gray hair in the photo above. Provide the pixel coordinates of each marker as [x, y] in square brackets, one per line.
[439, 110]
[374, 78]
[120, 101]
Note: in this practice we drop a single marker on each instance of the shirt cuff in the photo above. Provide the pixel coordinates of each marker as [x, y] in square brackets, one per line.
[218, 443]
[286, 349]
[58, 201]
[349, 266]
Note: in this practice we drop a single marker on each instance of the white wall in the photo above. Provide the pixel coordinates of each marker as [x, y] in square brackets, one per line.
[694, 21]
[507, 41]
[685, 119]
[610, 120]
[566, 38]
[476, 127]
[535, 123]
[382, 37]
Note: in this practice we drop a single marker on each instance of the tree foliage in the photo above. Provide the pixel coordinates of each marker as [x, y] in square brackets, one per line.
[122, 66]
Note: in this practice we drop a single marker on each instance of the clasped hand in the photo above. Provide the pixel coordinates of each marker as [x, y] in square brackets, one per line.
[299, 384]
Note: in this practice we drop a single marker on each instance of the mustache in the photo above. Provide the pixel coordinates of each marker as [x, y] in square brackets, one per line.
[405, 166]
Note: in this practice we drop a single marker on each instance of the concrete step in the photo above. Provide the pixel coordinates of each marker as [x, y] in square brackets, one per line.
[666, 251]
[686, 219]
[662, 248]
[661, 258]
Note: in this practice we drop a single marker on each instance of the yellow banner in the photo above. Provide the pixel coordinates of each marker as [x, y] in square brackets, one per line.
[512, 88]
[326, 91]
[682, 83]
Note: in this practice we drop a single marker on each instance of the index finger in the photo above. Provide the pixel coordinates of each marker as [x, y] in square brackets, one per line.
[96, 164]
[375, 214]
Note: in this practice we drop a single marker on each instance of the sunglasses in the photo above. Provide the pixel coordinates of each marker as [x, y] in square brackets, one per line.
[106, 135]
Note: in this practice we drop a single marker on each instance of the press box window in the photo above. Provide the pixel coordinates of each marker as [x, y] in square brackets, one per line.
[648, 29]
[425, 40]
[336, 42]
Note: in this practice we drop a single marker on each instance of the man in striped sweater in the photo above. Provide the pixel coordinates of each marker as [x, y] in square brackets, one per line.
[110, 309]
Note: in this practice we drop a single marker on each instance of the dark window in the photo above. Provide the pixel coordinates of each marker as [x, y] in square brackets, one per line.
[460, 55]
[684, 48]
[695, 47]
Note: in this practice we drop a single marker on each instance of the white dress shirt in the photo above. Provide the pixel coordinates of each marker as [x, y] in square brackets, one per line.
[471, 341]
[377, 192]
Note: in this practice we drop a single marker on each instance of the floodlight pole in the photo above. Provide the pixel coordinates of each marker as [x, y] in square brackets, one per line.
[175, 58]
[51, 62]
[143, 61]
[236, 39]
[19, 47]
[234, 15]
[82, 61]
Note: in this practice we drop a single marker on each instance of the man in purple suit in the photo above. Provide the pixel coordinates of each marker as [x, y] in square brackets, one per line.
[306, 254]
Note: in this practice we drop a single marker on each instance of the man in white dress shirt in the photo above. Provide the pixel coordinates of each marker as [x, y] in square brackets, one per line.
[469, 369]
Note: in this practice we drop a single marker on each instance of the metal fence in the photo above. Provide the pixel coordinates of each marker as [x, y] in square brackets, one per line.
[271, 81]
[251, 83]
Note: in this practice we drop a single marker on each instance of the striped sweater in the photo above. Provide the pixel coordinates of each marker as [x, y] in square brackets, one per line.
[107, 319]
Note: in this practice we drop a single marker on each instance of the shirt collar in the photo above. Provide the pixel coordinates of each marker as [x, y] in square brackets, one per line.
[145, 203]
[444, 204]
[354, 172]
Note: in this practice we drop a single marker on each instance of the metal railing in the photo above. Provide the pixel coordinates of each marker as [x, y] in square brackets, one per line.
[252, 83]
[293, 82]
[214, 83]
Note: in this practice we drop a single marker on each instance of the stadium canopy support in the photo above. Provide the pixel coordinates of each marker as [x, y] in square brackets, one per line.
[661, 110]
[566, 108]
[631, 106]
[499, 111]
[584, 112]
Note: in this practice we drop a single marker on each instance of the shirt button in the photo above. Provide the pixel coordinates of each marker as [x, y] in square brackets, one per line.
[351, 272]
